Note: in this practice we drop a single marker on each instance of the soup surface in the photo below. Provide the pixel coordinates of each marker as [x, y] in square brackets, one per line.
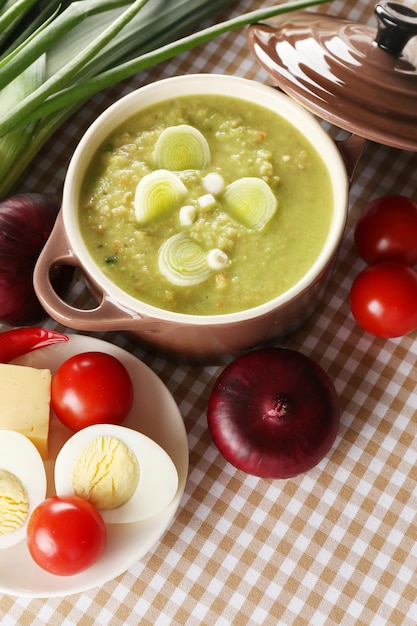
[197, 244]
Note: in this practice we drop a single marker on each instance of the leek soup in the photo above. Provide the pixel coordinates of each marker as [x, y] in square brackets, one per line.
[206, 205]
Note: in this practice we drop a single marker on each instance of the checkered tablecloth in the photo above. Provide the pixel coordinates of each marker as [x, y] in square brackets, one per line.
[334, 547]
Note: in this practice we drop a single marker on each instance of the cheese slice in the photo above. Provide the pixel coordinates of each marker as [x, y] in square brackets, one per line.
[25, 397]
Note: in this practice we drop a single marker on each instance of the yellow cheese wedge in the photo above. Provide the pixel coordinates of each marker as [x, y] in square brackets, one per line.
[25, 396]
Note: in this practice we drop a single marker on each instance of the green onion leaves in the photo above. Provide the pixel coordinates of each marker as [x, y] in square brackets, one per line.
[88, 46]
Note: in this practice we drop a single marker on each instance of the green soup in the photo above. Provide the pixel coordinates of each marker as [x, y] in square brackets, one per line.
[259, 261]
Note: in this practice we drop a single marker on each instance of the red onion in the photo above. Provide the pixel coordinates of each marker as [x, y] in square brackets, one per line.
[26, 221]
[273, 413]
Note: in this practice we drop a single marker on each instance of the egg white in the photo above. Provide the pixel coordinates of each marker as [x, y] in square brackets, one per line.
[158, 476]
[20, 456]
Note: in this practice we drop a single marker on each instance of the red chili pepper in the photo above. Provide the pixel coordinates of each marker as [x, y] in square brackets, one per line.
[19, 341]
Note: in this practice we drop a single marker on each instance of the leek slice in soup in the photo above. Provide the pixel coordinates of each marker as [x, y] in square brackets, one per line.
[182, 147]
[206, 205]
[183, 261]
[250, 201]
[157, 194]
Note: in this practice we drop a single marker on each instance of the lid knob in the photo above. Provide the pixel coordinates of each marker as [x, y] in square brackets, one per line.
[397, 24]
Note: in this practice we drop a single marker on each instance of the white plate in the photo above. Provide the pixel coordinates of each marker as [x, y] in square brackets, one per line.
[155, 414]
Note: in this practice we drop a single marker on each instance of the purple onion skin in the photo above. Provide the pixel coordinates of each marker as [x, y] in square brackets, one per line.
[273, 413]
[26, 221]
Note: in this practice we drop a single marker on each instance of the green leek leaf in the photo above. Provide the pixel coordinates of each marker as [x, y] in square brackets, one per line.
[90, 45]
[13, 144]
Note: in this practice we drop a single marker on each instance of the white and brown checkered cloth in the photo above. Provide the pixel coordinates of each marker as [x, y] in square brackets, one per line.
[334, 547]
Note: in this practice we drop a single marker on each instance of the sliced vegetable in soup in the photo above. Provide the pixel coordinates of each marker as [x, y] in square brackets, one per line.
[206, 205]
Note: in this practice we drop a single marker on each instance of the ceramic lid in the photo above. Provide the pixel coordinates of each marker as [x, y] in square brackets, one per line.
[359, 78]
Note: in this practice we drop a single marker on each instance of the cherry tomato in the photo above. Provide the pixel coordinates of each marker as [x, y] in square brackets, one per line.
[387, 230]
[91, 388]
[383, 299]
[65, 535]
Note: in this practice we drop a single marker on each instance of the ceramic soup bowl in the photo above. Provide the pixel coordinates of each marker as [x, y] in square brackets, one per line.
[202, 337]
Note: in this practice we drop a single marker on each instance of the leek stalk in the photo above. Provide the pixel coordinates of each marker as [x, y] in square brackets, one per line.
[86, 47]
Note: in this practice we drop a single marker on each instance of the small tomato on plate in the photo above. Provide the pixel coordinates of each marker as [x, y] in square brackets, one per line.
[91, 388]
[65, 535]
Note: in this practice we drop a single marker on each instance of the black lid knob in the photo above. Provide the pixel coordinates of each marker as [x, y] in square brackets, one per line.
[396, 26]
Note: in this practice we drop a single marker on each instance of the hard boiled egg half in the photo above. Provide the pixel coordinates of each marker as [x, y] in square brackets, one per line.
[126, 475]
[22, 485]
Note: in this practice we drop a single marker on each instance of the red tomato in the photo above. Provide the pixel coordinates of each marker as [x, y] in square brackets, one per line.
[91, 388]
[387, 230]
[383, 299]
[65, 535]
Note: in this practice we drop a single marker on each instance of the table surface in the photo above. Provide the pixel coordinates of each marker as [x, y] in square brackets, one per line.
[334, 546]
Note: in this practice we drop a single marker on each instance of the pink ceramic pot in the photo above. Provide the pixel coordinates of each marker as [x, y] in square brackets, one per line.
[194, 338]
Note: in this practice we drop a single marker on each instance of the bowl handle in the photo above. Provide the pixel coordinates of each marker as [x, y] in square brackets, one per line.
[351, 150]
[105, 316]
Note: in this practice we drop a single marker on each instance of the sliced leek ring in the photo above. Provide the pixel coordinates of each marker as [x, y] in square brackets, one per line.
[182, 261]
[180, 148]
[157, 194]
[250, 201]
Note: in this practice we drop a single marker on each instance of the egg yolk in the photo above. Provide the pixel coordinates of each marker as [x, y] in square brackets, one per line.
[106, 473]
[14, 502]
